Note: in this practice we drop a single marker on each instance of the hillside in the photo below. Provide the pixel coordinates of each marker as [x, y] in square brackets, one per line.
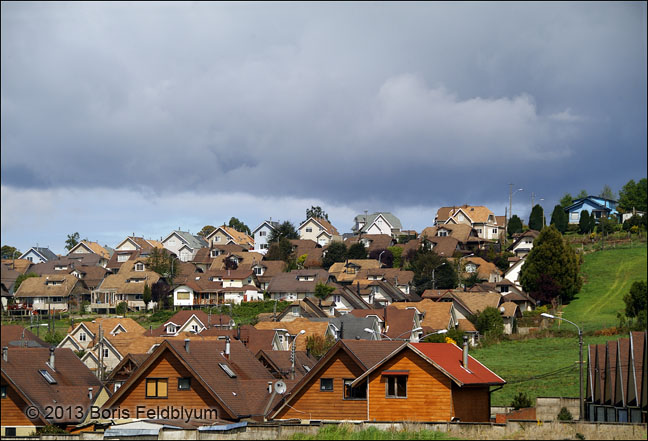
[607, 275]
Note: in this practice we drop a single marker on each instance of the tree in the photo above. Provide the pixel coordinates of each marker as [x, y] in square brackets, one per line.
[147, 296]
[489, 321]
[285, 230]
[322, 291]
[566, 200]
[387, 257]
[432, 271]
[635, 301]
[239, 226]
[163, 263]
[585, 224]
[336, 252]
[607, 193]
[521, 401]
[9, 252]
[319, 345]
[633, 196]
[472, 280]
[121, 308]
[634, 220]
[72, 241]
[560, 219]
[396, 253]
[357, 251]
[280, 250]
[551, 263]
[21, 278]
[316, 212]
[565, 415]
[536, 219]
[206, 230]
[582, 194]
[514, 225]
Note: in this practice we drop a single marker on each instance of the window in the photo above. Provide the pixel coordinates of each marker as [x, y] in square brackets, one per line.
[106, 353]
[258, 270]
[122, 257]
[82, 336]
[10, 431]
[227, 370]
[139, 267]
[194, 329]
[3, 392]
[263, 233]
[217, 239]
[574, 216]
[479, 230]
[442, 233]
[309, 230]
[355, 393]
[182, 295]
[326, 384]
[396, 386]
[184, 383]
[494, 230]
[337, 298]
[264, 246]
[48, 377]
[157, 387]
[118, 384]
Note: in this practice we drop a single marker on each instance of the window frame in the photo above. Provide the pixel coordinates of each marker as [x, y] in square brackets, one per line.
[188, 380]
[323, 388]
[394, 379]
[157, 381]
[347, 386]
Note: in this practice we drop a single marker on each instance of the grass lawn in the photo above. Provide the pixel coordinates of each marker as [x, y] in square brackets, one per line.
[553, 362]
[343, 431]
[607, 275]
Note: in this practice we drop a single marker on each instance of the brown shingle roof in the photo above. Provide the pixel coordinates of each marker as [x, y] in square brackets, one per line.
[338, 269]
[294, 327]
[437, 314]
[43, 287]
[108, 324]
[484, 268]
[289, 283]
[478, 301]
[327, 226]
[478, 213]
[11, 335]
[281, 362]
[376, 241]
[20, 265]
[399, 321]
[462, 232]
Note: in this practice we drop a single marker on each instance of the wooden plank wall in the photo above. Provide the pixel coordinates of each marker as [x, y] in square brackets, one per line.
[12, 409]
[167, 366]
[311, 403]
[429, 396]
[471, 404]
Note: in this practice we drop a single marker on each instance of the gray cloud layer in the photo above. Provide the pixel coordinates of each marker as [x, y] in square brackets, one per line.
[433, 102]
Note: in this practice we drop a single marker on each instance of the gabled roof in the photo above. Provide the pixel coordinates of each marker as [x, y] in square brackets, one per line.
[529, 233]
[20, 265]
[369, 220]
[376, 241]
[398, 322]
[270, 224]
[180, 318]
[294, 327]
[42, 286]
[478, 301]
[484, 268]
[72, 379]
[241, 396]
[236, 236]
[109, 325]
[92, 247]
[438, 315]
[447, 358]
[462, 232]
[281, 362]
[289, 283]
[191, 240]
[475, 213]
[592, 201]
[44, 253]
[326, 225]
[352, 327]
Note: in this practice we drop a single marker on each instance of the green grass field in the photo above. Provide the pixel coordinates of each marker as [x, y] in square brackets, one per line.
[540, 367]
[347, 432]
[607, 275]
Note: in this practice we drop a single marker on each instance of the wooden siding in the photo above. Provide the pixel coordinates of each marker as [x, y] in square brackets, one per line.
[12, 410]
[429, 396]
[471, 404]
[311, 403]
[167, 366]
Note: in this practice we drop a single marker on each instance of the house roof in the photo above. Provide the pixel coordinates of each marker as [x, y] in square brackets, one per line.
[238, 237]
[376, 241]
[462, 232]
[246, 259]
[20, 265]
[309, 305]
[38, 287]
[510, 309]
[72, 379]
[466, 325]
[180, 318]
[109, 324]
[477, 213]
[193, 241]
[294, 327]
[288, 283]
[589, 199]
[484, 268]
[121, 282]
[44, 252]
[478, 301]
[281, 361]
[11, 336]
[438, 315]
[529, 233]
[272, 224]
[272, 268]
[339, 269]
[326, 225]
[92, 275]
[353, 327]
[398, 322]
[241, 396]
[369, 219]
[94, 247]
[446, 357]
[8, 275]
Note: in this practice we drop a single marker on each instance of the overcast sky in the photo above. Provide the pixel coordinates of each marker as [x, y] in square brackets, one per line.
[122, 118]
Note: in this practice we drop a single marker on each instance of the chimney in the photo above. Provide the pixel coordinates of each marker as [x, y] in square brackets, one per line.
[341, 330]
[269, 387]
[5, 353]
[90, 393]
[187, 345]
[227, 347]
[465, 352]
[51, 359]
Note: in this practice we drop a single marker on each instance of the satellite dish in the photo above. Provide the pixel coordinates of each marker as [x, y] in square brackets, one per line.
[280, 387]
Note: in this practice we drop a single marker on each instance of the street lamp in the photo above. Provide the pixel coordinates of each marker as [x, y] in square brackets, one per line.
[440, 331]
[22, 340]
[511, 193]
[433, 278]
[292, 354]
[380, 256]
[580, 360]
[371, 331]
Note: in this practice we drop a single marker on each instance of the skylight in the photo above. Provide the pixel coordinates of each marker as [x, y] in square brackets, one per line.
[47, 376]
[227, 370]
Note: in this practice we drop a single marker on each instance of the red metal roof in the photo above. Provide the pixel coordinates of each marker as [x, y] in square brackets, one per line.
[449, 357]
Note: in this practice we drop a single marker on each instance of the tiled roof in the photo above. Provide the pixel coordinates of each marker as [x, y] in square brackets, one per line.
[193, 241]
[484, 268]
[510, 309]
[376, 241]
[466, 325]
[289, 283]
[39, 287]
[11, 336]
[462, 232]
[477, 213]
[72, 378]
[281, 361]
[399, 321]
[437, 314]
[294, 327]
[20, 265]
[108, 324]
[444, 246]
[478, 301]
[180, 318]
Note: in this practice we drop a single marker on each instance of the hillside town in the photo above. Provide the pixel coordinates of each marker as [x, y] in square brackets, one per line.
[377, 324]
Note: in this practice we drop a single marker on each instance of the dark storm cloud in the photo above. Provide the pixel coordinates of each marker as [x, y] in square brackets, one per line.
[443, 103]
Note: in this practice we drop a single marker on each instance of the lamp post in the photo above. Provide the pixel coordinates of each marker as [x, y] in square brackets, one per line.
[511, 193]
[380, 256]
[580, 360]
[440, 331]
[292, 354]
[433, 278]
[371, 331]
[22, 340]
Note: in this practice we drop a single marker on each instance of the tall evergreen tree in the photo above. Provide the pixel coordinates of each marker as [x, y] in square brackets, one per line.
[536, 219]
[551, 267]
[336, 252]
[585, 224]
[559, 219]
[514, 225]
[633, 195]
[566, 200]
[357, 251]
[284, 230]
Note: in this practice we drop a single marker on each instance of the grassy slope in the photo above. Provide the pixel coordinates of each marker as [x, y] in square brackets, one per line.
[607, 275]
[522, 359]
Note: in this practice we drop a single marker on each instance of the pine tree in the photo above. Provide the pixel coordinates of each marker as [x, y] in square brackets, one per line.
[585, 223]
[357, 251]
[551, 267]
[536, 219]
[559, 219]
[514, 225]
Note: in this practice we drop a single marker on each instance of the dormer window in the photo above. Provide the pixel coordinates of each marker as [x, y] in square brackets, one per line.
[258, 270]
[471, 268]
[139, 266]
[122, 257]
[171, 329]
[60, 267]
[442, 233]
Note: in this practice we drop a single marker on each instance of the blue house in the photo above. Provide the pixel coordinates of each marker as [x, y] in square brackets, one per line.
[597, 206]
[39, 255]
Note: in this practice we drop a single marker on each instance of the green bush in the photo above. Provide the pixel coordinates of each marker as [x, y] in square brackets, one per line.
[121, 308]
[520, 401]
[565, 415]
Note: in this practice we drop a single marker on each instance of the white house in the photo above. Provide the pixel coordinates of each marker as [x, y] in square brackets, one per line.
[377, 223]
[479, 217]
[261, 234]
[184, 244]
[318, 230]
[38, 255]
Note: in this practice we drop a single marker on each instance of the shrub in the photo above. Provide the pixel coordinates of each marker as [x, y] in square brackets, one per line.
[520, 401]
[565, 415]
[54, 338]
[121, 308]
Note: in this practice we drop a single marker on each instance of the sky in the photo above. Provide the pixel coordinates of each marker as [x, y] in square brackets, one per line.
[142, 118]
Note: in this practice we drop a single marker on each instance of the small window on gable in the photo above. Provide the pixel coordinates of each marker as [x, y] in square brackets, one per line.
[82, 336]
[326, 384]
[139, 266]
[309, 230]
[157, 387]
[184, 383]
